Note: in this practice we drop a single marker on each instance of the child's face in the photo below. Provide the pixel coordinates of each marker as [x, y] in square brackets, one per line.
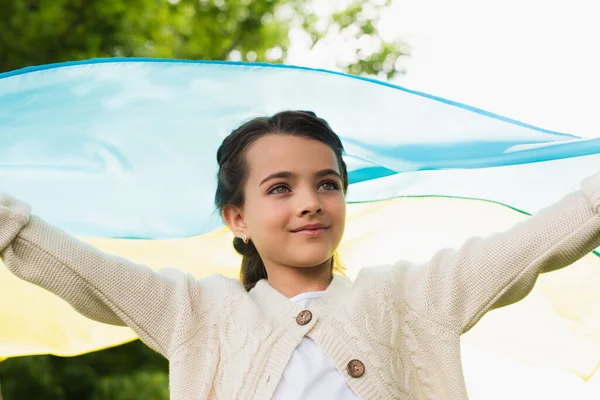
[276, 208]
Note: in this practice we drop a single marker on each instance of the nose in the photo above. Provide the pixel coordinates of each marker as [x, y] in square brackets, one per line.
[308, 203]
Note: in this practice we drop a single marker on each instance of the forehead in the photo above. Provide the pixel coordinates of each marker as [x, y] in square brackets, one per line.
[274, 153]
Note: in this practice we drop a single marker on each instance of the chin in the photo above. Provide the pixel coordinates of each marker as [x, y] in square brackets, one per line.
[310, 262]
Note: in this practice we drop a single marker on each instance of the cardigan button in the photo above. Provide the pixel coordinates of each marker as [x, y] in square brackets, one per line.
[356, 368]
[304, 317]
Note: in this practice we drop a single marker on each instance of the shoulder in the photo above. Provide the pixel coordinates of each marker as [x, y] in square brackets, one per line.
[386, 275]
[221, 287]
[398, 280]
[206, 292]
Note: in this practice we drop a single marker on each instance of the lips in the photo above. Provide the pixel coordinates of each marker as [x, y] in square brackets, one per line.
[311, 228]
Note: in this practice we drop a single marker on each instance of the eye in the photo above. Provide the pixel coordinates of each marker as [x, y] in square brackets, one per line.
[330, 185]
[279, 189]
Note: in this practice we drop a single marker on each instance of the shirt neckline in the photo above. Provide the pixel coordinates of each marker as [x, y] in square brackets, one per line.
[277, 306]
[307, 295]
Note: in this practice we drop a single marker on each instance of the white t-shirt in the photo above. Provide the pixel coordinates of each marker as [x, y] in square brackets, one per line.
[310, 375]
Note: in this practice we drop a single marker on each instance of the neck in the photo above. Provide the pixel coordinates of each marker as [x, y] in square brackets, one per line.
[292, 281]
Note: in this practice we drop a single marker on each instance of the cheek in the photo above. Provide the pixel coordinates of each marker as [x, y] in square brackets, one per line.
[270, 217]
[276, 218]
[341, 218]
[337, 208]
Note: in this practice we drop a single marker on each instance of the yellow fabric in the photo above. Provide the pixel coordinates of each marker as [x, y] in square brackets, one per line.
[557, 327]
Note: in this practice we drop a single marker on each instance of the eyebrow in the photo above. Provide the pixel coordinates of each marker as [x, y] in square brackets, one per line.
[288, 174]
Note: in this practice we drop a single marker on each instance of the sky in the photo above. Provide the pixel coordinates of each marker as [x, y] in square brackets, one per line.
[532, 60]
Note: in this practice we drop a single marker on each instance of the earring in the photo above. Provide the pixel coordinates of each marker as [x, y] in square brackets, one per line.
[245, 239]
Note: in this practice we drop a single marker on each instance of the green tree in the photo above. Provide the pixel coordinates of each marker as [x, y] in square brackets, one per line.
[131, 372]
[34, 32]
[145, 385]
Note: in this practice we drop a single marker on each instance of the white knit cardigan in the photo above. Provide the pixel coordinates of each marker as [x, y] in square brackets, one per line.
[402, 322]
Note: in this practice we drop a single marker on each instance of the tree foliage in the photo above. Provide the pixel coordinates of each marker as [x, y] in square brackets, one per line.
[127, 372]
[34, 32]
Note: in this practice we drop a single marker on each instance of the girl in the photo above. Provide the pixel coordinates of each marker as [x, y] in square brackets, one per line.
[294, 329]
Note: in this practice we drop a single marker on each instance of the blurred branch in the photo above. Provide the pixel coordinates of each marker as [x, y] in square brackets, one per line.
[33, 6]
[77, 21]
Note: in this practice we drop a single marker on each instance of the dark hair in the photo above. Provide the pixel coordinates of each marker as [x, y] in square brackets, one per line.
[233, 170]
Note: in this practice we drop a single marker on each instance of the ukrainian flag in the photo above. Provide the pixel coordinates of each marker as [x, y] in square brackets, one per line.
[121, 153]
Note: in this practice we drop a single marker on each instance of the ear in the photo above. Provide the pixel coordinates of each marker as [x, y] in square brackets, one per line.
[234, 218]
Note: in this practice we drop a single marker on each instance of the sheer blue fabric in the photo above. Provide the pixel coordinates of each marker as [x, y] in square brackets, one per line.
[127, 147]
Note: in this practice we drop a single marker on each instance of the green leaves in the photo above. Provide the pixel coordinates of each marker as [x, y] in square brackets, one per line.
[34, 32]
[137, 385]
[127, 372]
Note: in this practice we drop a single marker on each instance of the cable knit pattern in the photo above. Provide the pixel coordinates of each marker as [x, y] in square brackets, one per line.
[403, 321]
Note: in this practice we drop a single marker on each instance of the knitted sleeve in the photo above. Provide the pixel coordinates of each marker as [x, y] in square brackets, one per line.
[103, 287]
[457, 287]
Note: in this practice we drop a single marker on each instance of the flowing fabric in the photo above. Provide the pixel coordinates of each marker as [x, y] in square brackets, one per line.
[122, 153]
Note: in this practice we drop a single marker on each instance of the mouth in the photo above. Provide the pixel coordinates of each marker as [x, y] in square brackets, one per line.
[311, 230]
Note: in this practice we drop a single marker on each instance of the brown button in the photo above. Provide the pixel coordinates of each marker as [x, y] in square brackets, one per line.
[356, 368]
[304, 317]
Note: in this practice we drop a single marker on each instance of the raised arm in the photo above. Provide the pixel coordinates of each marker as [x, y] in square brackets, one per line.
[457, 287]
[109, 289]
